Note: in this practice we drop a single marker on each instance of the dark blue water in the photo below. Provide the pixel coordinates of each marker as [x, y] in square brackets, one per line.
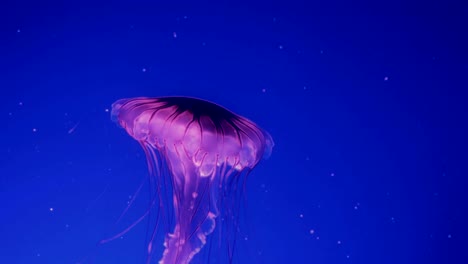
[366, 102]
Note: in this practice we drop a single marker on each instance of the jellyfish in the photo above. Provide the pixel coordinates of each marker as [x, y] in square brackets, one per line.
[199, 155]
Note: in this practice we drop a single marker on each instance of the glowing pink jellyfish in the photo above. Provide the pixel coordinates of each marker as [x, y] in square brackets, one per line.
[199, 155]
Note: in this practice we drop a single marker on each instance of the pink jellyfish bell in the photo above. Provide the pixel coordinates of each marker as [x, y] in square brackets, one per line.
[199, 155]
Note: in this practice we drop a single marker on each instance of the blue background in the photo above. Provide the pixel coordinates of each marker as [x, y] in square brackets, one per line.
[366, 102]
